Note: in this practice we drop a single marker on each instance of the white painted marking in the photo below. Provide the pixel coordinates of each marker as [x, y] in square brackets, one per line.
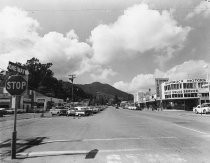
[109, 139]
[53, 153]
[193, 130]
[113, 159]
[137, 138]
[133, 157]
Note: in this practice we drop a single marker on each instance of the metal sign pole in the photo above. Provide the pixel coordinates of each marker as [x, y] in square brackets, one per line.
[14, 133]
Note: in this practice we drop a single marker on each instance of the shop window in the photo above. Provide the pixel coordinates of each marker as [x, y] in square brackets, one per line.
[187, 95]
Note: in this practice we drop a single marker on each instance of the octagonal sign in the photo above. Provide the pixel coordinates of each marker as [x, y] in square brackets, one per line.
[16, 85]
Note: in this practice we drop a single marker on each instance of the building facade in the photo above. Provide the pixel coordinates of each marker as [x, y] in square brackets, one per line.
[184, 94]
[158, 82]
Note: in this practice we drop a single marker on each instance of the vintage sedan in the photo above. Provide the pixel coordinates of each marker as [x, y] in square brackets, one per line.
[80, 111]
[202, 109]
[71, 112]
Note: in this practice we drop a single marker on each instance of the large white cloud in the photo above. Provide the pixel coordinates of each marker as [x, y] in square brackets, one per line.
[139, 29]
[21, 41]
[140, 82]
[203, 8]
[103, 74]
[187, 70]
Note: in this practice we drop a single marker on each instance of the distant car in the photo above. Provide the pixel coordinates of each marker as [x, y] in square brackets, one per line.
[89, 111]
[54, 111]
[95, 110]
[10, 111]
[21, 111]
[132, 107]
[2, 112]
[63, 112]
[71, 112]
[202, 109]
[79, 111]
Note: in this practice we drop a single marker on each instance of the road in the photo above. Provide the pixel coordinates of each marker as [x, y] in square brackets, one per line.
[112, 136]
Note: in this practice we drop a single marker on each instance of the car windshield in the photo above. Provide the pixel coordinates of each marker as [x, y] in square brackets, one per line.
[104, 81]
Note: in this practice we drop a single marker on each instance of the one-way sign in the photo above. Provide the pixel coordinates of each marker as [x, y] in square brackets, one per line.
[16, 85]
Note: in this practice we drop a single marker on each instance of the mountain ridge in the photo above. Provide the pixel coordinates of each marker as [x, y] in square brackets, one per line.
[104, 89]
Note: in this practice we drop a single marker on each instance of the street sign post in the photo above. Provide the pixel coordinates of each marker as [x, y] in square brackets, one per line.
[15, 85]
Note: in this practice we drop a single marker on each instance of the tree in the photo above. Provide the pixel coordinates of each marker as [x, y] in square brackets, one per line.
[38, 73]
[116, 100]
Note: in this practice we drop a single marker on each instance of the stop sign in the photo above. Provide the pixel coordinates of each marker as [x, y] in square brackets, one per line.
[16, 85]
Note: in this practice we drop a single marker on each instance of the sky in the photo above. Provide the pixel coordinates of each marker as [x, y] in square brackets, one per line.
[125, 43]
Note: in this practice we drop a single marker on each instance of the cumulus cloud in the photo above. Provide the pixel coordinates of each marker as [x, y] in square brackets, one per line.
[201, 9]
[187, 70]
[21, 41]
[103, 74]
[140, 82]
[139, 29]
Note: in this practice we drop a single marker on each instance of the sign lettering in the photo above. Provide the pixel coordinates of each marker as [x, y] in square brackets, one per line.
[17, 68]
[16, 85]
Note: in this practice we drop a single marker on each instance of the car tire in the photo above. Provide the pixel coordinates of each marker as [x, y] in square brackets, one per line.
[196, 112]
[204, 111]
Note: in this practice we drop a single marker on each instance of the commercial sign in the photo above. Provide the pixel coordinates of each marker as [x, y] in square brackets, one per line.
[186, 81]
[195, 80]
[177, 92]
[17, 68]
[191, 91]
[16, 85]
[40, 100]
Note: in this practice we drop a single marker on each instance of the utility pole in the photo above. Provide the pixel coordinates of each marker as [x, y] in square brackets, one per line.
[71, 78]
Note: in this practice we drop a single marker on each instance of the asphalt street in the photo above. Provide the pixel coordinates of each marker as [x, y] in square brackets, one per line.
[111, 136]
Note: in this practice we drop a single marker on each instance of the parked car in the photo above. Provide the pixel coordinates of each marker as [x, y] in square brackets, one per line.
[89, 111]
[202, 109]
[95, 110]
[63, 112]
[54, 111]
[132, 107]
[2, 112]
[79, 111]
[10, 111]
[71, 112]
[21, 111]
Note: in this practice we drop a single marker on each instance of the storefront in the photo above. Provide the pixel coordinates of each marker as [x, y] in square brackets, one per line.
[183, 94]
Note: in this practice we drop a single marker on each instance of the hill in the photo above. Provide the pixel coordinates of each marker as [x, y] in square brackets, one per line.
[105, 90]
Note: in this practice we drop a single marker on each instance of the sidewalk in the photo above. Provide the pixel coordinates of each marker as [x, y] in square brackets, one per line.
[10, 117]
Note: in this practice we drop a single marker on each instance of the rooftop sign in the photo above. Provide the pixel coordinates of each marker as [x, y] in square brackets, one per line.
[185, 81]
